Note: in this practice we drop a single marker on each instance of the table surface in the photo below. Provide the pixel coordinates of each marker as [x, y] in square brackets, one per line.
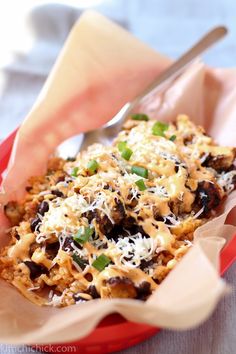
[168, 26]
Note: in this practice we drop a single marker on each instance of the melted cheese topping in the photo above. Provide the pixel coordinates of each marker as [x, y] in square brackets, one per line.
[21, 248]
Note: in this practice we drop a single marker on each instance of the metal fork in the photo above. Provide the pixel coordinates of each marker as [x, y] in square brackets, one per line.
[108, 131]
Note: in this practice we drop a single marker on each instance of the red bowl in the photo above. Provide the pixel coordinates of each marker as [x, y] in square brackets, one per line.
[114, 332]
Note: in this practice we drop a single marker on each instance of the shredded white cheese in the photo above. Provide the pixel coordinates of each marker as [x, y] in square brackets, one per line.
[225, 180]
[136, 248]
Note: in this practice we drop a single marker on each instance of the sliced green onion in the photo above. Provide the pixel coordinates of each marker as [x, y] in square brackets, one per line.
[83, 234]
[140, 116]
[126, 153]
[141, 185]
[122, 145]
[92, 166]
[101, 262]
[74, 172]
[173, 137]
[79, 261]
[159, 128]
[140, 171]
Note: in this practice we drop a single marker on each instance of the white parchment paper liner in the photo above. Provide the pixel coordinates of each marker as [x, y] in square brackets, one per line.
[99, 69]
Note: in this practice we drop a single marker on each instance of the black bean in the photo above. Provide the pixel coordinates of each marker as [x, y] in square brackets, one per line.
[57, 193]
[118, 212]
[119, 280]
[88, 277]
[52, 249]
[104, 223]
[92, 290]
[176, 169]
[143, 290]
[67, 244]
[156, 214]
[135, 228]
[34, 223]
[166, 221]
[132, 201]
[90, 215]
[35, 269]
[43, 207]
[129, 222]
[145, 264]
[207, 196]
[116, 232]
[219, 163]
[128, 258]
[131, 225]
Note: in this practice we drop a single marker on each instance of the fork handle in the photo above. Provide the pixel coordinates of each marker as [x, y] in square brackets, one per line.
[173, 70]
